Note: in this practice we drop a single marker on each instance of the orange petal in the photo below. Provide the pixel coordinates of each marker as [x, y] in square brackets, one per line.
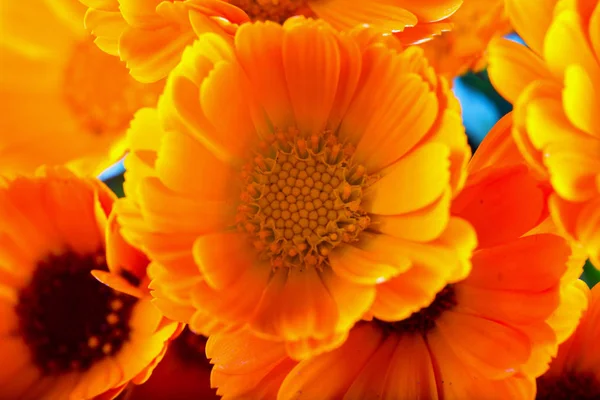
[243, 352]
[476, 341]
[235, 304]
[329, 375]
[398, 192]
[380, 14]
[498, 148]
[311, 61]
[296, 305]
[107, 27]
[430, 10]
[434, 265]
[565, 34]
[222, 257]
[120, 254]
[423, 225]
[530, 263]
[411, 373]
[259, 51]
[531, 20]
[167, 212]
[501, 203]
[513, 67]
[578, 86]
[370, 381]
[382, 137]
[365, 264]
[352, 300]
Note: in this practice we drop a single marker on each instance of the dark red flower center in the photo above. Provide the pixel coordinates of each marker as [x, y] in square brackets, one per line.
[571, 385]
[424, 320]
[68, 319]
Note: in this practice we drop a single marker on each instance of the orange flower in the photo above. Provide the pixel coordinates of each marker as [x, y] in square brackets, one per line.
[575, 372]
[63, 100]
[485, 337]
[473, 26]
[319, 193]
[150, 35]
[555, 122]
[62, 333]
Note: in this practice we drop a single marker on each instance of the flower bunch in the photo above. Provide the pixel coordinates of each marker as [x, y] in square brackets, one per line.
[302, 214]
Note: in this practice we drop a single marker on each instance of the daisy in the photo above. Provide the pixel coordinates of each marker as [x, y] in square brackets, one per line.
[63, 334]
[320, 193]
[64, 100]
[556, 126]
[485, 337]
[150, 35]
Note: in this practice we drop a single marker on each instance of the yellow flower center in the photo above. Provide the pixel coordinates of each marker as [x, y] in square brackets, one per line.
[302, 198]
[68, 319]
[272, 10]
[100, 91]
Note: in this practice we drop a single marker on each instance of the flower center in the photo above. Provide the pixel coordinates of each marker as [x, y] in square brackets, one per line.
[100, 91]
[571, 385]
[302, 198]
[423, 321]
[272, 10]
[68, 319]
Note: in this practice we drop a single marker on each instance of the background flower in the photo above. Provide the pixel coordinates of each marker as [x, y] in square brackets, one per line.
[63, 100]
[555, 124]
[63, 333]
[150, 35]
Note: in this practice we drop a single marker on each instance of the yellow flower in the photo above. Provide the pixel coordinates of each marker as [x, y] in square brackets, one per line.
[63, 334]
[63, 100]
[150, 35]
[318, 193]
[556, 124]
[463, 48]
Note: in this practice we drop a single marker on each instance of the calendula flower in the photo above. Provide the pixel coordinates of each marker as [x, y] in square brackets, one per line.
[63, 99]
[63, 334]
[321, 192]
[514, 299]
[575, 372]
[555, 122]
[150, 35]
[463, 48]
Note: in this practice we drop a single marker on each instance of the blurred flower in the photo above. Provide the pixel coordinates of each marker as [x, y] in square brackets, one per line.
[463, 48]
[63, 100]
[329, 172]
[63, 334]
[556, 126]
[514, 300]
[575, 372]
[150, 35]
[183, 374]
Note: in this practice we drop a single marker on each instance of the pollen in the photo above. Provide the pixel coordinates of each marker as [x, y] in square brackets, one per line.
[100, 92]
[302, 199]
[272, 10]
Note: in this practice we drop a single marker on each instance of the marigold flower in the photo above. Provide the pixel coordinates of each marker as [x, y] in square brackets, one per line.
[150, 35]
[321, 192]
[63, 334]
[515, 299]
[575, 372]
[63, 100]
[463, 48]
[556, 126]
